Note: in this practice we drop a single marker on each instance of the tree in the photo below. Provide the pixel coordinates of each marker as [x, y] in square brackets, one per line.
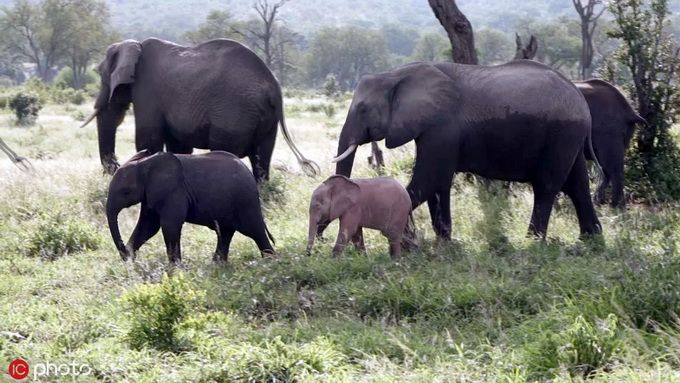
[400, 41]
[88, 37]
[458, 28]
[346, 52]
[261, 34]
[589, 15]
[218, 24]
[430, 47]
[53, 32]
[493, 46]
[559, 42]
[653, 58]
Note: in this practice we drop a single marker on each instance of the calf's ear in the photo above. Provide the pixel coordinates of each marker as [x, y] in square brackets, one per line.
[344, 194]
[161, 175]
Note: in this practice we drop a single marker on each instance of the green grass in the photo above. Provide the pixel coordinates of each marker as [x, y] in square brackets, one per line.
[491, 305]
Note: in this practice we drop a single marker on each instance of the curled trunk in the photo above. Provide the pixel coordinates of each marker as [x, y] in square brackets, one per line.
[112, 218]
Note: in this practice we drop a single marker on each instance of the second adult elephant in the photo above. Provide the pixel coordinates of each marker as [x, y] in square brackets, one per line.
[613, 120]
[520, 121]
[217, 95]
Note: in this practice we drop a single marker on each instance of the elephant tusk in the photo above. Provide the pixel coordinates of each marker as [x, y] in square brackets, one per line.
[89, 119]
[345, 154]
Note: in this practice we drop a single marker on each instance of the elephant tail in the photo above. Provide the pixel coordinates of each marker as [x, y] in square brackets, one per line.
[591, 151]
[269, 234]
[308, 166]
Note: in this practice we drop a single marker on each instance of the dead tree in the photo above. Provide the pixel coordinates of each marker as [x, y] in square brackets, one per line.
[458, 28]
[262, 35]
[589, 16]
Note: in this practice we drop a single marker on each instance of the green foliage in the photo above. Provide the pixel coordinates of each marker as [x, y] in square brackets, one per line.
[493, 47]
[348, 53]
[652, 297]
[330, 86]
[155, 312]
[653, 59]
[26, 107]
[431, 47]
[273, 191]
[590, 346]
[64, 79]
[57, 235]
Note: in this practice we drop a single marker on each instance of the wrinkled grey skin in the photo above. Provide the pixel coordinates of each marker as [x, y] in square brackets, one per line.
[218, 95]
[215, 190]
[613, 125]
[520, 121]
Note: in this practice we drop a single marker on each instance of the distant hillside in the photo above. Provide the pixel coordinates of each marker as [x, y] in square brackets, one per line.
[171, 18]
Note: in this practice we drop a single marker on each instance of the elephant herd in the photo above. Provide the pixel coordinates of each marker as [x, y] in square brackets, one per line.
[521, 121]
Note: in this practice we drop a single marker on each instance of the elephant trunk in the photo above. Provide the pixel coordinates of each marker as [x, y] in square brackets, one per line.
[109, 117]
[344, 165]
[112, 218]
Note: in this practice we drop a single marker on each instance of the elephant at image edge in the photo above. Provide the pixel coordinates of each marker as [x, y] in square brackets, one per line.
[215, 190]
[521, 121]
[217, 95]
[613, 125]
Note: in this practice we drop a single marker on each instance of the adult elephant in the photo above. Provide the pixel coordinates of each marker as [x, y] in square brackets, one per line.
[217, 95]
[520, 121]
[613, 121]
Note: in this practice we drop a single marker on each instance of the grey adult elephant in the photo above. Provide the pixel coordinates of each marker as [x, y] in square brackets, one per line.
[613, 120]
[521, 121]
[217, 95]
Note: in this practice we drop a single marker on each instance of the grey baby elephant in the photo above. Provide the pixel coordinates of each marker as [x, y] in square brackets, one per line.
[379, 203]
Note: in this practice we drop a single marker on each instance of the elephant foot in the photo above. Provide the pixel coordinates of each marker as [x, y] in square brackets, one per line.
[268, 253]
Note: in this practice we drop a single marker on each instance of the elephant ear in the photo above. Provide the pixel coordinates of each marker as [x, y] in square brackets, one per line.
[532, 48]
[344, 194]
[161, 174]
[118, 68]
[419, 100]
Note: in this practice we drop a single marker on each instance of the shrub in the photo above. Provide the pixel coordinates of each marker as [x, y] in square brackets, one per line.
[57, 235]
[155, 312]
[4, 101]
[331, 87]
[273, 191]
[329, 110]
[26, 107]
[276, 361]
[651, 296]
[64, 78]
[589, 346]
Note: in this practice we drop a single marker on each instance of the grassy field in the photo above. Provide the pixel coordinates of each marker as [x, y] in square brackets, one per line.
[491, 305]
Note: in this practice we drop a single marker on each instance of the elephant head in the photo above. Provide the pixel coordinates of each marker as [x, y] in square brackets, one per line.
[117, 73]
[333, 198]
[397, 106]
[144, 178]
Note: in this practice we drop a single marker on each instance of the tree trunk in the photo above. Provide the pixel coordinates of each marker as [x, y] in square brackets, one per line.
[458, 28]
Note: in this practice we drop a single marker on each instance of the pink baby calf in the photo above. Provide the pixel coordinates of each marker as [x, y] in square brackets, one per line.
[376, 203]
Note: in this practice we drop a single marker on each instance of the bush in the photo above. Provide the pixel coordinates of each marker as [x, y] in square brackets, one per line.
[56, 236]
[329, 110]
[331, 88]
[4, 101]
[64, 78]
[155, 312]
[656, 179]
[273, 191]
[26, 107]
[590, 346]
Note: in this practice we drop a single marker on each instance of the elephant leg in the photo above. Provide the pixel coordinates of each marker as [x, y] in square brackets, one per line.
[600, 193]
[358, 240]
[224, 236]
[618, 200]
[147, 226]
[576, 188]
[440, 213]
[347, 228]
[172, 234]
[261, 157]
[149, 130]
[540, 216]
[432, 173]
[174, 146]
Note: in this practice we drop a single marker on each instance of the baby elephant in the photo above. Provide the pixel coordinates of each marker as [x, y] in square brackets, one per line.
[376, 203]
[215, 190]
